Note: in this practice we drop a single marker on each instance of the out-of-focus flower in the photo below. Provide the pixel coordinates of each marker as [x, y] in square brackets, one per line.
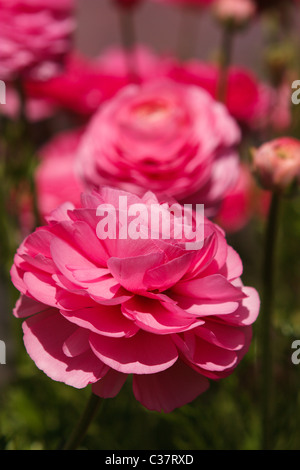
[34, 37]
[244, 90]
[85, 84]
[99, 309]
[276, 164]
[148, 65]
[235, 13]
[239, 205]
[172, 139]
[56, 180]
[81, 88]
[36, 109]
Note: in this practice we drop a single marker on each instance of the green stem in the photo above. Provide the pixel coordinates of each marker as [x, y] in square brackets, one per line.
[267, 318]
[79, 432]
[225, 61]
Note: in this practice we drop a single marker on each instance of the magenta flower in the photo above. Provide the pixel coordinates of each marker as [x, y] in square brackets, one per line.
[247, 99]
[85, 84]
[172, 139]
[99, 309]
[34, 37]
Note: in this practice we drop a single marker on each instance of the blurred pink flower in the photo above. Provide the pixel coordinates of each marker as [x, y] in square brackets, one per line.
[101, 309]
[172, 139]
[244, 91]
[234, 12]
[34, 37]
[87, 83]
[238, 206]
[36, 108]
[276, 164]
[55, 177]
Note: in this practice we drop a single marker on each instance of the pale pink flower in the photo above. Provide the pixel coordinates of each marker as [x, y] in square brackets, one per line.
[99, 309]
[172, 139]
[34, 37]
[276, 164]
[234, 12]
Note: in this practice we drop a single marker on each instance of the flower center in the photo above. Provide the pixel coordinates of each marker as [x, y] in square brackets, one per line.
[151, 112]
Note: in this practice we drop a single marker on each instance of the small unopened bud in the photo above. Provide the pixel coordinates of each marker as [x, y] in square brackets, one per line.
[276, 164]
[234, 13]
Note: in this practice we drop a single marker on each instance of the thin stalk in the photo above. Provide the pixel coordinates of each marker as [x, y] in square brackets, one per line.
[267, 318]
[225, 61]
[87, 417]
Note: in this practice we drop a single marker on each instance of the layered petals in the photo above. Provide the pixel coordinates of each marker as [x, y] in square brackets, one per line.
[96, 310]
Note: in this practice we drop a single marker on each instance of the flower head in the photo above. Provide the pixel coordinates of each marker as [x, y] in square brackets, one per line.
[34, 37]
[101, 308]
[170, 138]
[277, 165]
[235, 13]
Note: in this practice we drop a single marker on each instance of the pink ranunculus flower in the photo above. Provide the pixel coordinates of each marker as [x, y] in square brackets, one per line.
[81, 88]
[85, 83]
[99, 307]
[239, 205]
[172, 139]
[55, 177]
[244, 91]
[34, 37]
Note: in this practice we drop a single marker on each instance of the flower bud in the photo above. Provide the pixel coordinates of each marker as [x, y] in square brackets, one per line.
[277, 165]
[234, 13]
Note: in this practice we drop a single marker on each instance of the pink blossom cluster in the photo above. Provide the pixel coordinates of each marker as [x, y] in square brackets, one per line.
[35, 35]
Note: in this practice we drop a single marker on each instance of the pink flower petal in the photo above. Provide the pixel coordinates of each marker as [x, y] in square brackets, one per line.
[110, 385]
[44, 336]
[25, 307]
[155, 317]
[214, 288]
[103, 320]
[143, 353]
[169, 389]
